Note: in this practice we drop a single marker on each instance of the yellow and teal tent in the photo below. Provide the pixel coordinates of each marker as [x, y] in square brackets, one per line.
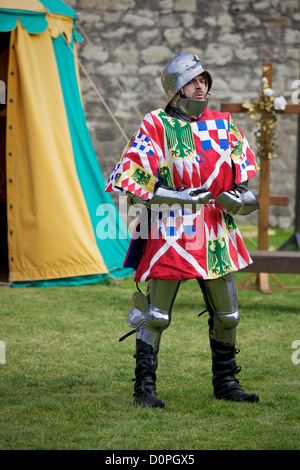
[54, 185]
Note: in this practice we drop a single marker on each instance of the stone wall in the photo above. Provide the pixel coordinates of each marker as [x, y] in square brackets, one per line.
[127, 43]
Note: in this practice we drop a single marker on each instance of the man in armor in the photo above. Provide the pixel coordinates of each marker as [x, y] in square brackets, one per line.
[188, 167]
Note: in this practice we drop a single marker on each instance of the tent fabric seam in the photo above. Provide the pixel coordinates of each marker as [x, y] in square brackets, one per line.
[42, 274]
[38, 251]
[41, 25]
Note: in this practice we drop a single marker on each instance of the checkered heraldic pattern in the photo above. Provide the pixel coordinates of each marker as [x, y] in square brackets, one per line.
[210, 152]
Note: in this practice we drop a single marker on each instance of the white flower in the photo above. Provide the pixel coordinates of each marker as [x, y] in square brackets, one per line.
[280, 103]
[268, 91]
[264, 80]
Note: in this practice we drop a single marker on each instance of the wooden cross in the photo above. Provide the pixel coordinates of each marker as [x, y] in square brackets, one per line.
[265, 200]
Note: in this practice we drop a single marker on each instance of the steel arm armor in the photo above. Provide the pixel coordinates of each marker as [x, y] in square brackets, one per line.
[239, 200]
[182, 196]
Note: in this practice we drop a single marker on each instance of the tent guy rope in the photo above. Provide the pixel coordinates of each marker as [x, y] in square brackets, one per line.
[100, 96]
[114, 79]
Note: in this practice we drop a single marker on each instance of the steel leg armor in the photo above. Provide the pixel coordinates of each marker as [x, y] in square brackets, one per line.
[150, 316]
[221, 302]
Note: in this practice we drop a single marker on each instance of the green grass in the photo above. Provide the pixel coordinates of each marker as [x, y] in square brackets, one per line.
[67, 381]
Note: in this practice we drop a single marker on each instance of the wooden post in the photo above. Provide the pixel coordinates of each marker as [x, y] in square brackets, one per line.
[265, 200]
[294, 241]
[264, 187]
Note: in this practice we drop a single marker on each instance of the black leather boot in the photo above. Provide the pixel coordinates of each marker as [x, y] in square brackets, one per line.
[226, 385]
[145, 373]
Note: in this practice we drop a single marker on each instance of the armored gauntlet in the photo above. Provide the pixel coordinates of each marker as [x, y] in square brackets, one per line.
[239, 200]
[163, 198]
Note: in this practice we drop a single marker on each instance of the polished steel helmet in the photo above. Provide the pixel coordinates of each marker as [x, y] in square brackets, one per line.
[179, 71]
[176, 74]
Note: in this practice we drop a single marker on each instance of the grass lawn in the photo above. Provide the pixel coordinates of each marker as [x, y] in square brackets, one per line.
[67, 380]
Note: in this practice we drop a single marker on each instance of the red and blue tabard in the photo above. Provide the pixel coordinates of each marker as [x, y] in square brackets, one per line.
[211, 153]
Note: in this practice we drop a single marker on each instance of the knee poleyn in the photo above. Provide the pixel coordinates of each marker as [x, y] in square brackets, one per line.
[224, 329]
[150, 324]
[228, 320]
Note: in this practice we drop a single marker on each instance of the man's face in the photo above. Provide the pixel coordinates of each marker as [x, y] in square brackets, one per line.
[196, 88]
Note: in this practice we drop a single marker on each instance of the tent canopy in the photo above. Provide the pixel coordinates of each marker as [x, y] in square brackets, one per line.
[54, 185]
